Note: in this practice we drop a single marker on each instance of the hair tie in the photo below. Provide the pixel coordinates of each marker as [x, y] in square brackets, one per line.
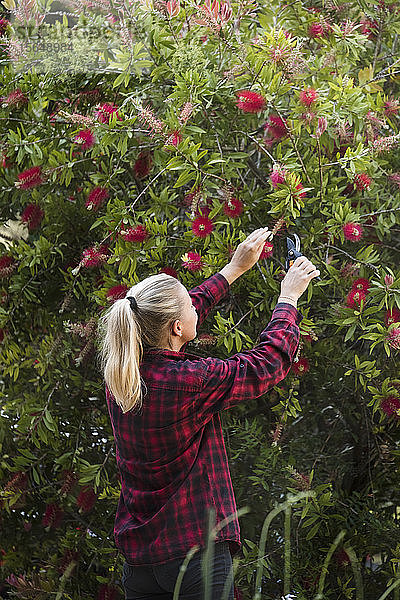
[133, 302]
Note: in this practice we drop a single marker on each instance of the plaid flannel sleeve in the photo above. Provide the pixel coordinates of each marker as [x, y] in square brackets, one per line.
[251, 373]
[207, 295]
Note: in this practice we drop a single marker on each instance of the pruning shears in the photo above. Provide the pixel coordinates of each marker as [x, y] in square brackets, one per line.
[293, 251]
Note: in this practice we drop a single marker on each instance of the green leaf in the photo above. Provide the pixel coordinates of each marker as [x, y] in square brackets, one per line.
[350, 332]
[184, 178]
[118, 80]
[35, 475]
[313, 532]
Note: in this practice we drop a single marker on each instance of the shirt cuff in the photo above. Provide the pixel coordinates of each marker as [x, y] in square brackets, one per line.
[288, 311]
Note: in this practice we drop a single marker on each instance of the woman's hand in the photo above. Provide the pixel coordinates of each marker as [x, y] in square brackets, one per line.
[248, 252]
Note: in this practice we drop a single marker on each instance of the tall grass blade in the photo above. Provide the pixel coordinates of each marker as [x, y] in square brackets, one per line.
[394, 586]
[286, 576]
[357, 573]
[334, 545]
[182, 570]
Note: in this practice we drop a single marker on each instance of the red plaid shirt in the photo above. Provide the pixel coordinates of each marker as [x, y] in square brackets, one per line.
[171, 456]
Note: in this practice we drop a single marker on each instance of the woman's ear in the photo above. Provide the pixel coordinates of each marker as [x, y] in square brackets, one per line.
[177, 327]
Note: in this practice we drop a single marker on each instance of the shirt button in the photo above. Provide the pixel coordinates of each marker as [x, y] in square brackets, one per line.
[241, 365]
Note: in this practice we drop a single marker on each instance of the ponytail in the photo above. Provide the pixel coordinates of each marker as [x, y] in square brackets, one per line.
[124, 332]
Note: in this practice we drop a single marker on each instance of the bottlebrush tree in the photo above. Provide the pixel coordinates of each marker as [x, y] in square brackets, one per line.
[205, 122]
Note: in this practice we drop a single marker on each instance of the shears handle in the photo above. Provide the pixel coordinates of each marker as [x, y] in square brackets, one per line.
[291, 256]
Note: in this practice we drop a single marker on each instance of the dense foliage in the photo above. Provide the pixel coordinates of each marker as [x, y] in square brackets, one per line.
[157, 138]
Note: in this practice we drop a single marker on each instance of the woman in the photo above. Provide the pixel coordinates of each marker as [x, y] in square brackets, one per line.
[164, 406]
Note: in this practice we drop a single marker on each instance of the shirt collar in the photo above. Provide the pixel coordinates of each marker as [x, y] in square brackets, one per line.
[150, 353]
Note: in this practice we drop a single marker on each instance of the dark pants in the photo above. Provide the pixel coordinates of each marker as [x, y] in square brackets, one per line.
[157, 582]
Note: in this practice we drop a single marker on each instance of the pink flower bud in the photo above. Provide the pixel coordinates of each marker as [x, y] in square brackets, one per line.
[225, 12]
[322, 125]
[388, 280]
[173, 7]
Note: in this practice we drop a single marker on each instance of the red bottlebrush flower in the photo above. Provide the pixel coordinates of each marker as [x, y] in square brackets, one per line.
[192, 261]
[299, 192]
[17, 483]
[206, 339]
[68, 561]
[342, 558]
[391, 107]
[362, 181]
[353, 231]
[117, 292]
[53, 516]
[301, 481]
[317, 30]
[192, 197]
[107, 592]
[147, 116]
[16, 98]
[174, 138]
[301, 366]
[135, 234]
[392, 316]
[277, 175]
[93, 257]
[395, 178]
[85, 138]
[276, 127]
[237, 594]
[249, 101]
[32, 215]
[2, 553]
[369, 28]
[70, 479]
[143, 164]
[267, 250]
[3, 26]
[362, 285]
[86, 499]
[105, 111]
[308, 96]
[393, 338]
[354, 297]
[96, 198]
[169, 271]
[29, 178]
[233, 207]
[186, 110]
[385, 143]
[391, 406]
[7, 265]
[202, 227]
[5, 161]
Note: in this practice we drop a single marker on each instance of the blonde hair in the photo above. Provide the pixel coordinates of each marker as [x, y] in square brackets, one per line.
[124, 332]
